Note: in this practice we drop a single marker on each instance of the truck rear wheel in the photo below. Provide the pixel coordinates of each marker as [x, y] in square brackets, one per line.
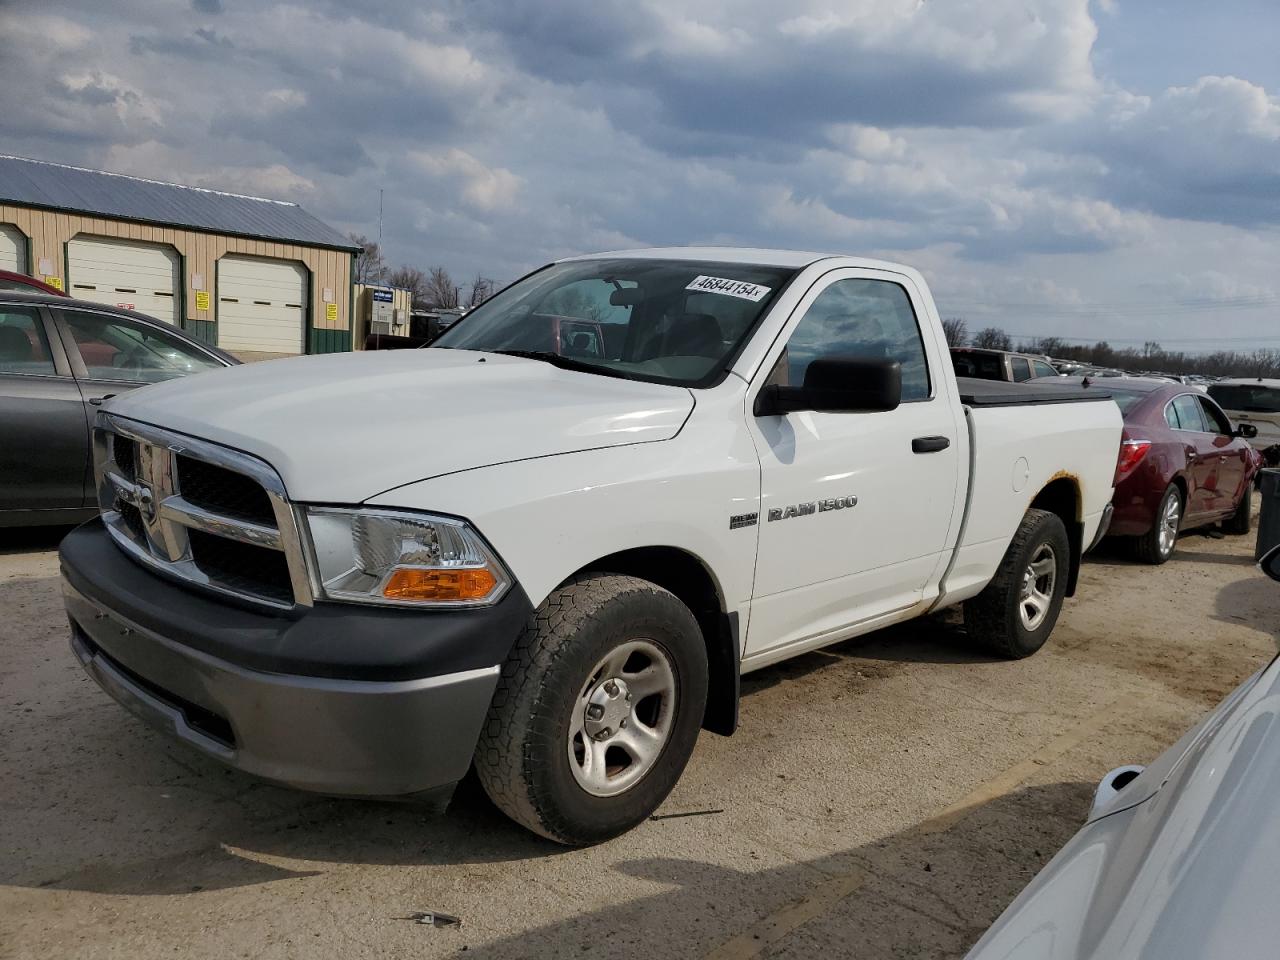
[597, 710]
[1015, 613]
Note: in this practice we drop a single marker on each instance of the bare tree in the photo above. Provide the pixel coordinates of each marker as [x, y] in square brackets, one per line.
[1048, 346]
[370, 267]
[956, 330]
[571, 302]
[441, 293]
[481, 290]
[993, 338]
[413, 280]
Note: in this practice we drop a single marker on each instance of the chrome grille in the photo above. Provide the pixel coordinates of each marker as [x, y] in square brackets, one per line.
[199, 512]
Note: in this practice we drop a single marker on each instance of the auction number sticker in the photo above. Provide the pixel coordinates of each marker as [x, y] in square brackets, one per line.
[729, 288]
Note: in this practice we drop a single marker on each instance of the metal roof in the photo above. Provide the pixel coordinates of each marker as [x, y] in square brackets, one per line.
[59, 187]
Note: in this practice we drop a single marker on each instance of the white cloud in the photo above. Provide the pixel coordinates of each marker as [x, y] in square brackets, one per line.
[485, 187]
[974, 139]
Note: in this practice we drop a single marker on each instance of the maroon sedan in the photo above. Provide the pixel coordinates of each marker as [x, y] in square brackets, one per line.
[1182, 465]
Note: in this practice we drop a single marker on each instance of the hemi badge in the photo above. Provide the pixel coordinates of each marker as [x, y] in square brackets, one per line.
[743, 520]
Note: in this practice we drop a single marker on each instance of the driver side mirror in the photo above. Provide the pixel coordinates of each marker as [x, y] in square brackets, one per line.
[837, 385]
[1245, 430]
[1270, 563]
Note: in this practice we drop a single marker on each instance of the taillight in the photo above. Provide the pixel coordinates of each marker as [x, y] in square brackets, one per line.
[1131, 454]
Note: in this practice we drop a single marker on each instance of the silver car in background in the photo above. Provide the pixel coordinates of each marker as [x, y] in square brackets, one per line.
[1178, 861]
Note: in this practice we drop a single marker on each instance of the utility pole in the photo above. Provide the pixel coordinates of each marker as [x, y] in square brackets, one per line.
[379, 216]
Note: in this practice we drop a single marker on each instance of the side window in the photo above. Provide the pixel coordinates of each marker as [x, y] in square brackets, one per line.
[1043, 369]
[1215, 420]
[1188, 412]
[23, 349]
[1021, 368]
[117, 349]
[1171, 416]
[870, 319]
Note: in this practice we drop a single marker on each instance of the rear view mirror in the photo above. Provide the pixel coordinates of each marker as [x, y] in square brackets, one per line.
[1270, 563]
[625, 297]
[1246, 430]
[837, 385]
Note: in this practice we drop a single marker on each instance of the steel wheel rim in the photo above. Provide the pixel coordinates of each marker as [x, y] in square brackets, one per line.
[1170, 518]
[622, 718]
[1038, 581]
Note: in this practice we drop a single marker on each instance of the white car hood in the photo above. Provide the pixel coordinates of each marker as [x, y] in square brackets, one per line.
[340, 428]
[1188, 873]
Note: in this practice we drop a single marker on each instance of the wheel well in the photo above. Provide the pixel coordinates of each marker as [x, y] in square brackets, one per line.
[688, 578]
[1062, 496]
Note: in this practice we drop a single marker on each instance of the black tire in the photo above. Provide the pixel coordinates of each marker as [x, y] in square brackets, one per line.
[523, 754]
[1148, 548]
[994, 617]
[1241, 522]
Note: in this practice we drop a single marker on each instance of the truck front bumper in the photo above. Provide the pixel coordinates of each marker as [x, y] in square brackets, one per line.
[257, 705]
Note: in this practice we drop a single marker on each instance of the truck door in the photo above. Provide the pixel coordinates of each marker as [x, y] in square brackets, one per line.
[855, 507]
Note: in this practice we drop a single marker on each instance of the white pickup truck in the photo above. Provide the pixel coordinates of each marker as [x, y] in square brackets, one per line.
[550, 544]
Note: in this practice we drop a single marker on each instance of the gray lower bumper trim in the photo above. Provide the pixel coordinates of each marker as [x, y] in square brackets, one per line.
[348, 737]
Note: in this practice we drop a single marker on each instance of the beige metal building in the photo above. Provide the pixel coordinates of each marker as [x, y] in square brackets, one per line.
[257, 277]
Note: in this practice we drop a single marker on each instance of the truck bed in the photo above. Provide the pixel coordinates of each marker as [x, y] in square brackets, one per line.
[1022, 438]
[998, 393]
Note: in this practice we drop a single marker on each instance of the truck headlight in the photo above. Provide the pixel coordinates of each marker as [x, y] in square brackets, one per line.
[402, 558]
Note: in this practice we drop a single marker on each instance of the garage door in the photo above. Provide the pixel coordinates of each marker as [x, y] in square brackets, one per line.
[125, 273]
[13, 249]
[260, 305]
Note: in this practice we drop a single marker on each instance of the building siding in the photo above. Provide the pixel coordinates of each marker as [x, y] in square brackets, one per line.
[48, 233]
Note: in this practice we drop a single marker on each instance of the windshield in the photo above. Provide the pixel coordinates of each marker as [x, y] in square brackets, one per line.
[1249, 397]
[666, 321]
[1125, 401]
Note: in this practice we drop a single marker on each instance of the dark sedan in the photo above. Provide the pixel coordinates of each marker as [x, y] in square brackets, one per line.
[1182, 465]
[59, 360]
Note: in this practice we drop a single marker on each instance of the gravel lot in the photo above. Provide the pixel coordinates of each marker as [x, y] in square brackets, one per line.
[884, 798]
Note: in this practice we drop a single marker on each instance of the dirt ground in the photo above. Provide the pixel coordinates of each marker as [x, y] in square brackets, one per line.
[884, 798]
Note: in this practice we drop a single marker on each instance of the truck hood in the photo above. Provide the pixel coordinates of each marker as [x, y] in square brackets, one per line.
[340, 428]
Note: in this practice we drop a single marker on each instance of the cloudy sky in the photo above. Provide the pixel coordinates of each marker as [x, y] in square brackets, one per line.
[1105, 169]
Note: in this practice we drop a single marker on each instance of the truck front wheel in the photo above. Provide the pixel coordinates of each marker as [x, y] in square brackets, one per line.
[1015, 613]
[597, 710]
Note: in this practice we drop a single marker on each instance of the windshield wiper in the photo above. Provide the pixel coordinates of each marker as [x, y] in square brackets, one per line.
[564, 363]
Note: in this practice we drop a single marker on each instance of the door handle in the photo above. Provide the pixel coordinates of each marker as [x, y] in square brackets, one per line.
[99, 401]
[929, 444]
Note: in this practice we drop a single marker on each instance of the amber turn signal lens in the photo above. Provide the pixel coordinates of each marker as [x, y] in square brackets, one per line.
[411, 584]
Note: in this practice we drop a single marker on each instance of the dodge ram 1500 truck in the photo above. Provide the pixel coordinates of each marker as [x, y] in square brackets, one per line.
[553, 558]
